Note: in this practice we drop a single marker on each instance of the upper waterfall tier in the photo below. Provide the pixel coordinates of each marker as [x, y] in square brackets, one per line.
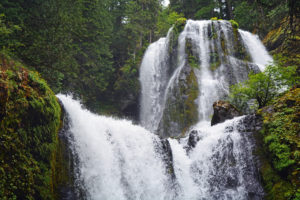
[181, 76]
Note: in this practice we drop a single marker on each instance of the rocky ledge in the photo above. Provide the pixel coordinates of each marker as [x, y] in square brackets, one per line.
[223, 111]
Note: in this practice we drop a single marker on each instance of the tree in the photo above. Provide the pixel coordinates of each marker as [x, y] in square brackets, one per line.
[166, 19]
[263, 87]
[6, 29]
[208, 9]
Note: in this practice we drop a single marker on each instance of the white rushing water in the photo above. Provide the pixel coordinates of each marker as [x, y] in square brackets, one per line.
[216, 167]
[257, 50]
[117, 160]
[153, 76]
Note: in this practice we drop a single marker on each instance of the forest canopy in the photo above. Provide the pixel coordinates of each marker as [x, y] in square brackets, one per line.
[94, 47]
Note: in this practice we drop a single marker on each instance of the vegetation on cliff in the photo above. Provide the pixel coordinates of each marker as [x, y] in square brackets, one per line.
[280, 147]
[263, 87]
[278, 141]
[181, 108]
[29, 123]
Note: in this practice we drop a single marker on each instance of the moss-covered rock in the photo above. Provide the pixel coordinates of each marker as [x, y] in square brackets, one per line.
[181, 110]
[29, 123]
[234, 24]
[192, 57]
[223, 111]
[181, 107]
[177, 29]
[284, 42]
[280, 147]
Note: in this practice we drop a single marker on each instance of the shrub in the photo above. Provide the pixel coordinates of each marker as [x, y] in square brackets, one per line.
[262, 87]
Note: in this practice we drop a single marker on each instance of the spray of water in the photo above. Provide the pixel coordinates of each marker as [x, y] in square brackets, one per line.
[121, 161]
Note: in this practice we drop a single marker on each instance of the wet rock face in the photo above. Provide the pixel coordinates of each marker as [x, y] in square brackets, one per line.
[223, 111]
[181, 109]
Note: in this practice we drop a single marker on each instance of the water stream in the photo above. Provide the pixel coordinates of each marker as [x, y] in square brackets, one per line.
[118, 160]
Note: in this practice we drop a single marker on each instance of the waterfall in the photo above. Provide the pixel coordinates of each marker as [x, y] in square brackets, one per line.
[256, 49]
[213, 54]
[117, 160]
[153, 76]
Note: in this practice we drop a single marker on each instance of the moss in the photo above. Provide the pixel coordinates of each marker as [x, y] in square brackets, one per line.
[193, 61]
[212, 33]
[180, 23]
[234, 24]
[239, 49]
[177, 29]
[181, 111]
[214, 61]
[280, 144]
[281, 41]
[214, 65]
[223, 43]
[30, 119]
[60, 172]
[190, 107]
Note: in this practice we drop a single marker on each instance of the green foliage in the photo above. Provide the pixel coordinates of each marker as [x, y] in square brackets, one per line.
[177, 29]
[68, 42]
[192, 59]
[179, 25]
[29, 123]
[82, 46]
[263, 87]
[280, 167]
[166, 20]
[206, 10]
[254, 16]
[246, 21]
[234, 24]
[6, 30]
[261, 15]
[127, 83]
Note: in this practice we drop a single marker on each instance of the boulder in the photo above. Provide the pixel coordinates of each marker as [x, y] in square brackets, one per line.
[223, 111]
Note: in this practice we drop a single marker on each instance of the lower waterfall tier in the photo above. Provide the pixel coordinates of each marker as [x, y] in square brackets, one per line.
[117, 160]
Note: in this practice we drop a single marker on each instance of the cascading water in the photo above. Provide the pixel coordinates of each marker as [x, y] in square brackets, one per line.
[154, 76]
[256, 49]
[118, 160]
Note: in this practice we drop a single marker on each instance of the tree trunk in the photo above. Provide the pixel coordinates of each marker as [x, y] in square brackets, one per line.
[221, 9]
[229, 12]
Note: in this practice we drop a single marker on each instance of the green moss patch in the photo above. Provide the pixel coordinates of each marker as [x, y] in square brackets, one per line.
[191, 57]
[281, 147]
[29, 123]
[285, 43]
[234, 24]
[181, 111]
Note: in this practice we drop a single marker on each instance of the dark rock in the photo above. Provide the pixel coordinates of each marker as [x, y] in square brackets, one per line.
[163, 148]
[193, 139]
[223, 111]
[129, 106]
[250, 124]
[168, 158]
